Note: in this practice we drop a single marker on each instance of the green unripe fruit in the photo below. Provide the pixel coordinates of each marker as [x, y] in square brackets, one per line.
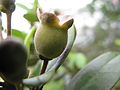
[7, 6]
[50, 39]
[13, 60]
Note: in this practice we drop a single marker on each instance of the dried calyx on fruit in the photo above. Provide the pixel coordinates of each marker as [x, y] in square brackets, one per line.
[13, 60]
[51, 37]
[7, 6]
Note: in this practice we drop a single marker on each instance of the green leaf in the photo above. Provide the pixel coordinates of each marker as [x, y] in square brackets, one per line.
[117, 86]
[22, 6]
[100, 74]
[117, 42]
[77, 59]
[54, 85]
[36, 69]
[31, 13]
[44, 78]
[35, 5]
[31, 16]
[28, 38]
[18, 34]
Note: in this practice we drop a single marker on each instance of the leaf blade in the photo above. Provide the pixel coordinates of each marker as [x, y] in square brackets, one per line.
[95, 75]
[18, 34]
[36, 69]
[22, 6]
[28, 38]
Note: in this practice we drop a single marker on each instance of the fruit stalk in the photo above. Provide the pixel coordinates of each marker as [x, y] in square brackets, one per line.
[44, 67]
[45, 63]
[9, 15]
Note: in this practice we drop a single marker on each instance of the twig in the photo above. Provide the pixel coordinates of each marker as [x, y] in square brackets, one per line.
[44, 67]
[9, 15]
[43, 70]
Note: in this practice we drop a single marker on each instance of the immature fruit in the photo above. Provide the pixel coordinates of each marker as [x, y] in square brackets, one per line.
[7, 6]
[13, 59]
[51, 38]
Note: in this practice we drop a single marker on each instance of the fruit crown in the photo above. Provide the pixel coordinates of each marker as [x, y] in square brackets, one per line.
[52, 20]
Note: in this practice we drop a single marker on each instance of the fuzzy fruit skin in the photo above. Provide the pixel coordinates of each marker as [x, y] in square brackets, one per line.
[13, 60]
[50, 41]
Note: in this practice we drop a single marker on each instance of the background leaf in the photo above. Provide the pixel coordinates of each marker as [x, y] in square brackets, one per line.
[36, 69]
[29, 15]
[18, 34]
[35, 5]
[117, 42]
[22, 6]
[100, 74]
[54, 85]
[77, 60]
[32, 13]
[28, 38]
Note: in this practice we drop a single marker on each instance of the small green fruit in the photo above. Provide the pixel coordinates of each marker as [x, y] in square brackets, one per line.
[7, 6]
[51, 38]
[13, 60]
